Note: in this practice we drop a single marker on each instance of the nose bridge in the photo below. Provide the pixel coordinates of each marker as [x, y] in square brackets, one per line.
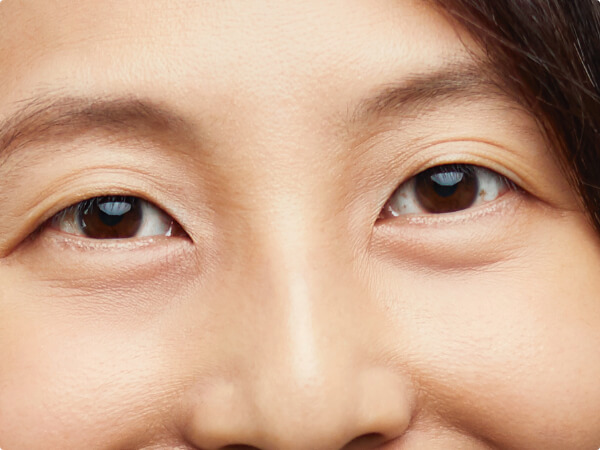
[310, 277]
[306, 271]
[312, 345]
[320, 371]
[310, 378]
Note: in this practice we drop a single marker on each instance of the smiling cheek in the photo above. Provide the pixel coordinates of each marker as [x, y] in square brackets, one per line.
[83, 383]
[86, 356]
[509, 351]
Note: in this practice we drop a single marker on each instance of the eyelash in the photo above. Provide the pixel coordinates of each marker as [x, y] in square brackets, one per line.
[455, 187]
[115, 217]
[446, 189]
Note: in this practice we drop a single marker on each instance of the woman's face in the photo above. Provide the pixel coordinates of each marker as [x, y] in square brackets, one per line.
[282, 292]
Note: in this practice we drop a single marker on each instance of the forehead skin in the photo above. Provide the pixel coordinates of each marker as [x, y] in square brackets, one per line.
[291, 317]
[197, 49]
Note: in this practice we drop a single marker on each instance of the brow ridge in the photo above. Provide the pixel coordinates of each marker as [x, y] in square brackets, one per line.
[472, 80]
[48, 116]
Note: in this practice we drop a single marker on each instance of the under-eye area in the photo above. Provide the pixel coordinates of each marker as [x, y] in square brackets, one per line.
[298, 225]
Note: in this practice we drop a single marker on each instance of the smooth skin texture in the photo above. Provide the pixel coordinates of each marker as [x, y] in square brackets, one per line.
[291, 314]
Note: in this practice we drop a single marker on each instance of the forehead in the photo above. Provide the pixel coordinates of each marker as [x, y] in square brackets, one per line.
[218, 49]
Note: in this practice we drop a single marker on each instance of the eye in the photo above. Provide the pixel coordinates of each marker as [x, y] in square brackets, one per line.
[115, 217]
[445, 189]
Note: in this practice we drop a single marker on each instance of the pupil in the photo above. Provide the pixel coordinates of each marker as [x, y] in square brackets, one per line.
[446, 189]
[111, 213]
[447, 183]
[111, 217]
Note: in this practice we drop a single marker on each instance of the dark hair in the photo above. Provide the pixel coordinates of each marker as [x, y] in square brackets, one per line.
[548, 52]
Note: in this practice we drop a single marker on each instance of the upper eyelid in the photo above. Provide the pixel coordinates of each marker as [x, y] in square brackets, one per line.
[405, 155]
[63, 190]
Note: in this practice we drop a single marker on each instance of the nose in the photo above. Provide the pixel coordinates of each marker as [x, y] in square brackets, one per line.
[307, 370]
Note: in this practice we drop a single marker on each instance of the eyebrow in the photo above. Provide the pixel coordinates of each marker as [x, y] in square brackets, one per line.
[52, 116]
[60, 117]
[460, 80]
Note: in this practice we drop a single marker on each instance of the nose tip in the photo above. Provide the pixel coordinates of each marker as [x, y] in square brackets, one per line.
[304, 368]
[362, 411]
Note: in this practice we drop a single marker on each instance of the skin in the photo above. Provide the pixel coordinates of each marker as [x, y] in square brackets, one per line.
[289, 314]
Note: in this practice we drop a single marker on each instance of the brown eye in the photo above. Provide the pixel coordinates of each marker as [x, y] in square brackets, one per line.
[110, 217]
[446, 189]
[115, 217]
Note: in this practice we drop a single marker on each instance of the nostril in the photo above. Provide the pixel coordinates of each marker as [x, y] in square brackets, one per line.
[365, 441]
[239, 447]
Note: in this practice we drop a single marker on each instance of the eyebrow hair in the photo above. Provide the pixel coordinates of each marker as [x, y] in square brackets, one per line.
[52, 116]
[466, 80]
[49, 116]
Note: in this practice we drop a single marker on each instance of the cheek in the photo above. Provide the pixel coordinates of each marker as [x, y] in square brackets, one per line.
[81, 381]
[509, 352]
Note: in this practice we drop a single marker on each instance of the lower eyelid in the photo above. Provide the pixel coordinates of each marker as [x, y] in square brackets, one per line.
[507, 204]
[79, 242]
[60, 255]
